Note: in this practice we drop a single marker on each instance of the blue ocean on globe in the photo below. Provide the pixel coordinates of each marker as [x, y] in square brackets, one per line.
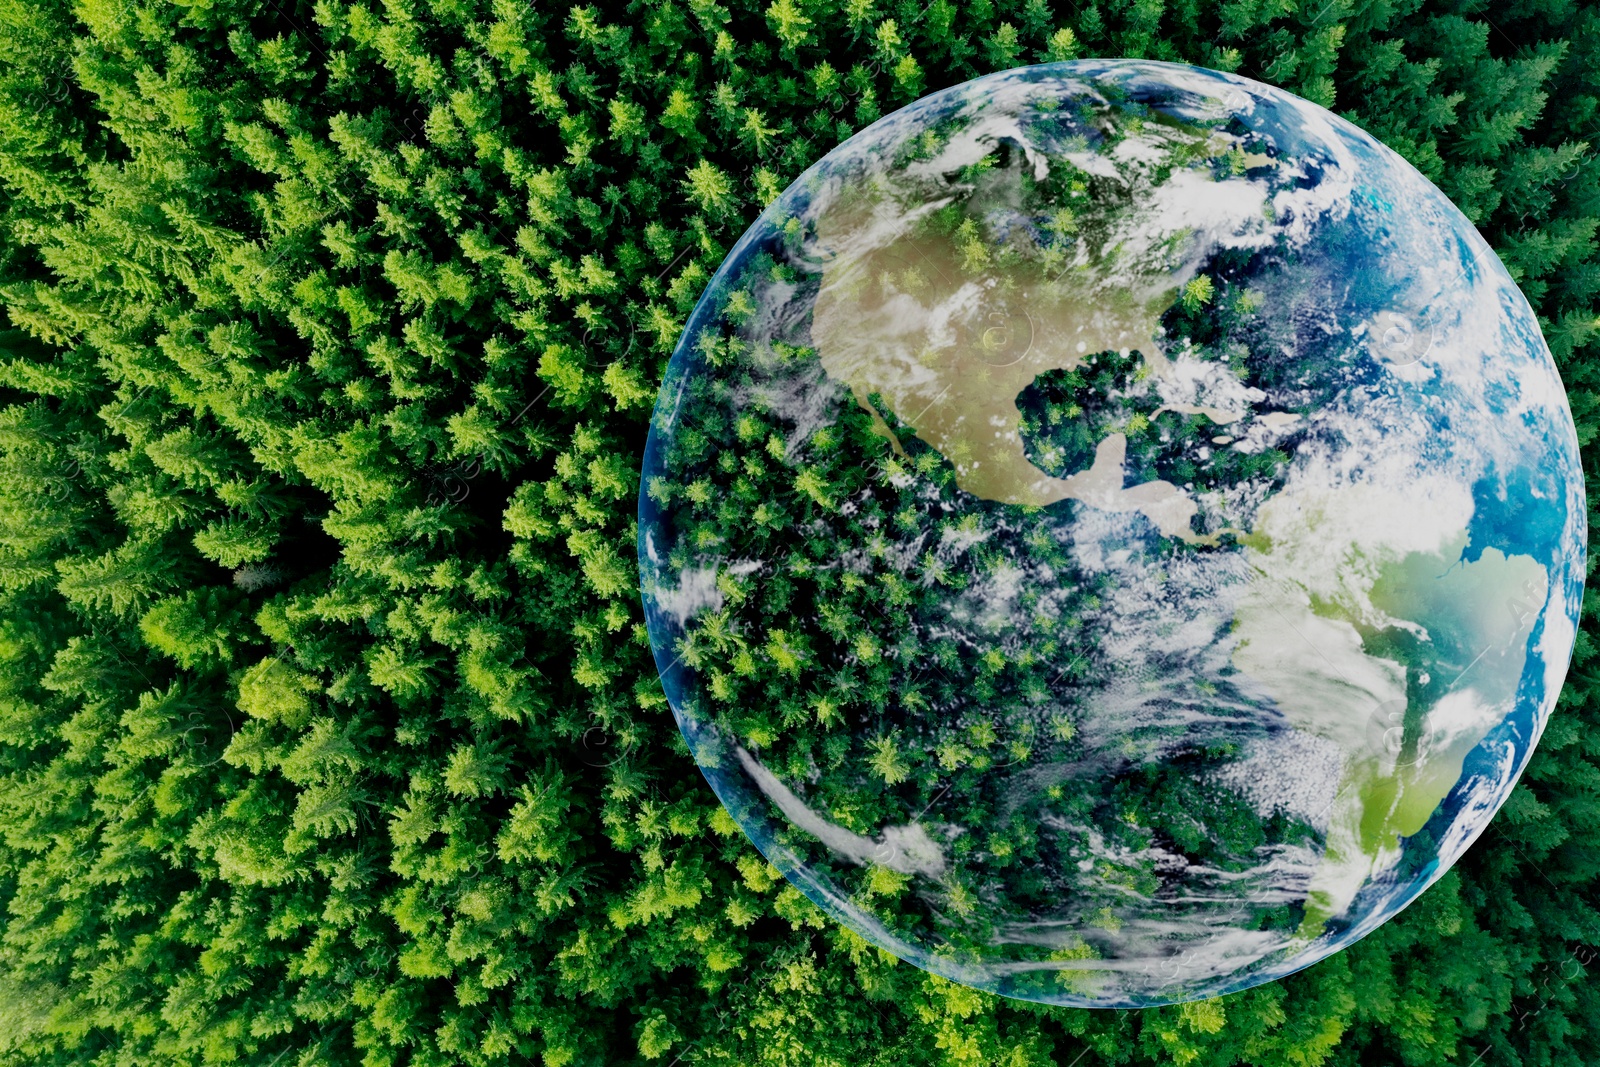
[1112, 533]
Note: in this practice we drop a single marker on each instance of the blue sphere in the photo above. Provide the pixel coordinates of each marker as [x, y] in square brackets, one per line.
[1112, 533]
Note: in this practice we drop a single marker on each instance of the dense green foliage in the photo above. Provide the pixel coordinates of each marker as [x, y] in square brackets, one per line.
[329, 732]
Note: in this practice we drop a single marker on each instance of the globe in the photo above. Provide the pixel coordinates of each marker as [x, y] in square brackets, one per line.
[1111, 533]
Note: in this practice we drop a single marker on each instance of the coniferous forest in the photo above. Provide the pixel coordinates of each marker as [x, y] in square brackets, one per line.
[329, 337]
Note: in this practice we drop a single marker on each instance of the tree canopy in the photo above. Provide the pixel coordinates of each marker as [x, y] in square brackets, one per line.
[329, 335]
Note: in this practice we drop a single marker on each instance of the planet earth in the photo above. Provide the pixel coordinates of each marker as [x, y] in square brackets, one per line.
[1112, 533]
